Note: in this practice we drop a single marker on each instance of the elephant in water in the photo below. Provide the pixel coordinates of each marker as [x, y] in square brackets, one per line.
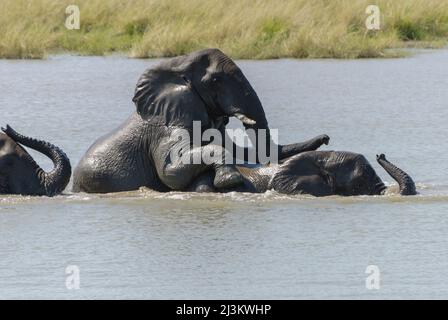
[205, 86]
[20, 174]
[317, 173]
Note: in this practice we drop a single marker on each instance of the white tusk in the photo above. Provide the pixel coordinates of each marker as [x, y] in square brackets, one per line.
[244, 119]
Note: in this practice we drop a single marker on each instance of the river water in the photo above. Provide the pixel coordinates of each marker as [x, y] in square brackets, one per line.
[145, 244]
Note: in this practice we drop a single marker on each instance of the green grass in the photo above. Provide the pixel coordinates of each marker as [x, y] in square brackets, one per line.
[250, 29]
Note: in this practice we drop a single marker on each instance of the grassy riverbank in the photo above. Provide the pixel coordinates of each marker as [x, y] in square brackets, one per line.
[252, 29]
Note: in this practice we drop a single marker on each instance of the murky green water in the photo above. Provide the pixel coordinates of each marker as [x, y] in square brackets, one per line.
[148, 245]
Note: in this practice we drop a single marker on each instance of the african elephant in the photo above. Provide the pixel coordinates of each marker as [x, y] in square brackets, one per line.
[20, 174]
[318, 173]
[205, 86]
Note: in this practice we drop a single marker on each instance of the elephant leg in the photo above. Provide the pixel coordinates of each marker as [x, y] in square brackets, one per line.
[203, 183]
[284, 151]
[178, 173]
[4, 188]
[315, 143]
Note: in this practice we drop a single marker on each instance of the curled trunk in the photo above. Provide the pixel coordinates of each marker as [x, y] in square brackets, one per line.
[51, 183]
[405, 182]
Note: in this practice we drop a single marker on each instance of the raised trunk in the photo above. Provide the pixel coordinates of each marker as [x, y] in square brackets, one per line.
[54, 182]
[405, 182]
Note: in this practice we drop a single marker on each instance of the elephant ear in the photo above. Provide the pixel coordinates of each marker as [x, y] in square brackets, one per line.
[288, 177]
[165, 96]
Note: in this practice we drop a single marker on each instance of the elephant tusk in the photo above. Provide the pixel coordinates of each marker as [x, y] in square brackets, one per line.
[244, 119]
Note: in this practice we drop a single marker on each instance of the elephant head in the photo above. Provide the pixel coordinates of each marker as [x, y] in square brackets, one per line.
[337, 172]
[20, 174]
[204, 86]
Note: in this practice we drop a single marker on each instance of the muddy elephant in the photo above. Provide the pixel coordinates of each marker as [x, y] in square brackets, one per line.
[20, 174]
[205, 86]
[317, 173]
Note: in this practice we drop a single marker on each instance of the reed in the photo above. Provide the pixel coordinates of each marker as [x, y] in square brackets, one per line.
[248, 29]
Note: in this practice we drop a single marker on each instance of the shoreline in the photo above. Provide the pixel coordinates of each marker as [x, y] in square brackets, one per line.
[398, 53]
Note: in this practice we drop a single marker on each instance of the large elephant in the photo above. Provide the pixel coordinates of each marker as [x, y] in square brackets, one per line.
[205, 86]
[20, 174]
[317, 173]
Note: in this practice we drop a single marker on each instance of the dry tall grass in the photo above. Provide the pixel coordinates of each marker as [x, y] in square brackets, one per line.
[253, 29]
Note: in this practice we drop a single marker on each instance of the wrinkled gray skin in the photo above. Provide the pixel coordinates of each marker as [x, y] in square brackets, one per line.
[204, 86]
[318, 173]
[20, 174]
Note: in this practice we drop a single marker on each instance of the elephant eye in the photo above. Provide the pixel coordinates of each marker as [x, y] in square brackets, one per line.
[216, 79]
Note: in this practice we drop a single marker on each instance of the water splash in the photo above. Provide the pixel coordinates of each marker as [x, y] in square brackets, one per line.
[428, 192]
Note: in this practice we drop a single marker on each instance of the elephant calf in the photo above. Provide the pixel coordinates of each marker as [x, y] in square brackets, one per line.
[318, 173]
[20, 174]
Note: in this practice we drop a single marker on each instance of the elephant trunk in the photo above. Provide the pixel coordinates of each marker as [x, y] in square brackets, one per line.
[405, 182]
[54, 182]
[258, 122]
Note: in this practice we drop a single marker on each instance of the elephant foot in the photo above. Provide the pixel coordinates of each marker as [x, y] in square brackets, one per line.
[227, 177]
[203, 184]
[321, 140]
